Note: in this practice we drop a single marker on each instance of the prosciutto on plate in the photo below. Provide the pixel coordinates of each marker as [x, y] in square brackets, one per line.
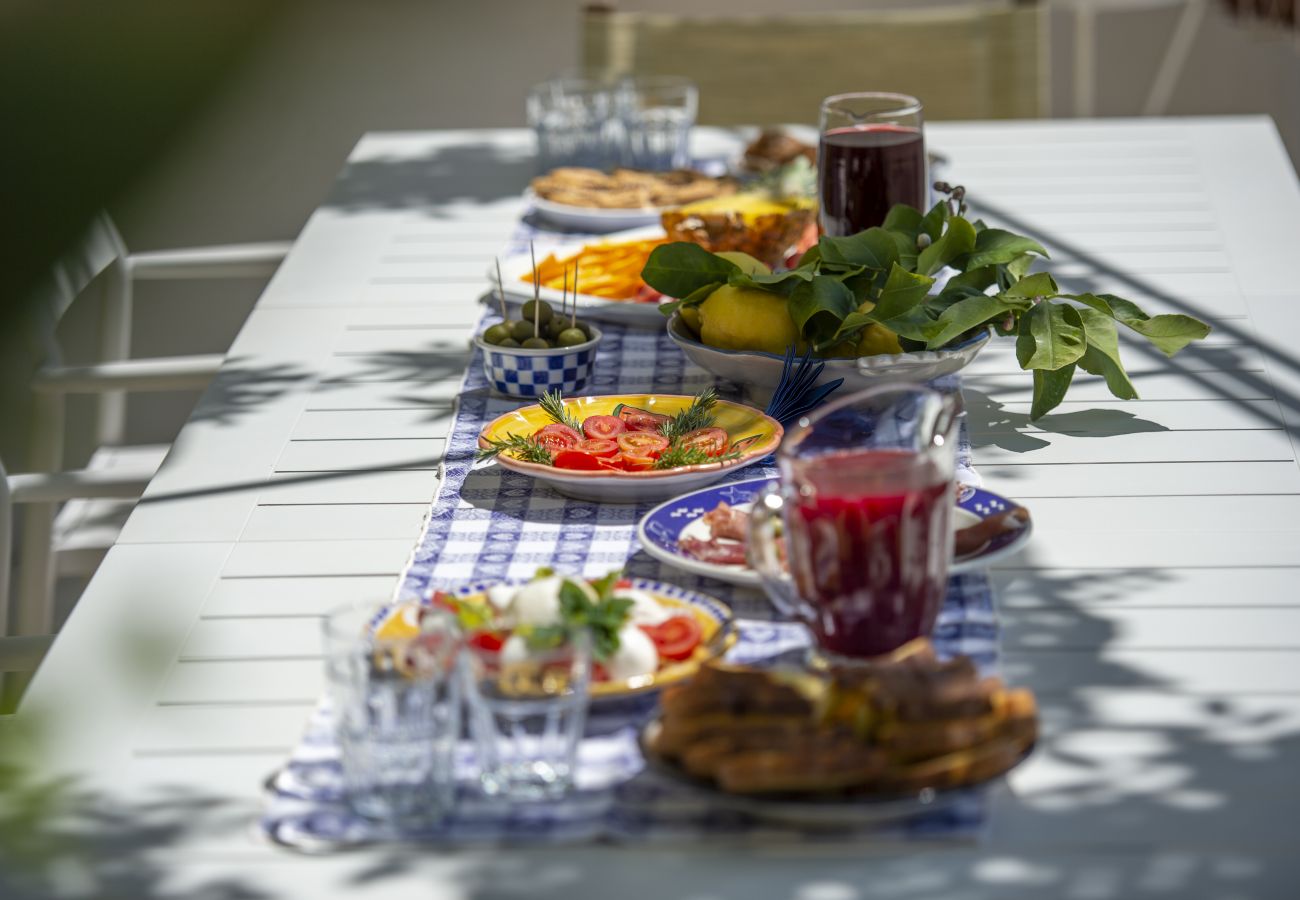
[729, 529]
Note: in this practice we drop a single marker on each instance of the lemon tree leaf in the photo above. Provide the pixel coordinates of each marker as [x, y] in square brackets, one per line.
[1102, 356]
[680, 269]
[819, 306]
[873, 248]
[1050, 337]
[961, 317]
[904, 218]
[1049, 389]
[932, 222]
[1037, 285]
[957, 240]
[902, 291]
[995, 246]
[1169, 333]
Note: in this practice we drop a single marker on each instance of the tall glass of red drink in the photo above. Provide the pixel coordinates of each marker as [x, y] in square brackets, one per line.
[865, 509]
[872, 156]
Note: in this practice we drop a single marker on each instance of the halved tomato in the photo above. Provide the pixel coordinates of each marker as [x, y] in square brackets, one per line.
[641, 419]
[675, 638]
[603, 428]
[712, 441]
[489, 641]
[576, 459]
[598, 447]
[642, 444]
[556, 437]
[637, 463]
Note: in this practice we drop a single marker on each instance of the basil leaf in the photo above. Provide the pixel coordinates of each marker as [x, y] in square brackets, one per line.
[1051, 336]
[680, 269]
[962, 316]
[818, 307]
[1049, 389]
[874, 248]
[1039, 284]
[1102, 356]
[902, 291]
[958, 240]
[1169, 333]
[994, 246]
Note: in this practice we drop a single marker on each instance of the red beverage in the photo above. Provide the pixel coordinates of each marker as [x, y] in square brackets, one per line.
[863, 170]
[870, 537]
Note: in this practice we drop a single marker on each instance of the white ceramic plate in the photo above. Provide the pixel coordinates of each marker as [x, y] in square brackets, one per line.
[760, 372]
[626, 312]
[661, 530]
[592, 219]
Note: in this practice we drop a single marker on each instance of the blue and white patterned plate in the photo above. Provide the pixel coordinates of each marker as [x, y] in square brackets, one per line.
[661, 529]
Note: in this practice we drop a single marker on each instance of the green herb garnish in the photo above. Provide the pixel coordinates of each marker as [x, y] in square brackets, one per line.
[696, 416]
[552, 403]
[679, 455]
[883, 276]
[520, 447]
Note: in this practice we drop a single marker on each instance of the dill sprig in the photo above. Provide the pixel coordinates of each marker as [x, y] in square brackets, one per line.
[680, 455]
[518, 446]
[552, 403]
[698, 415]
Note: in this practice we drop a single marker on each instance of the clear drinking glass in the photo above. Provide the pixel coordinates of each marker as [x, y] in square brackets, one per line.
[657, 112]
[576, 122]
[872, 156]
[396, 706]
[864, 505]
[527, 711]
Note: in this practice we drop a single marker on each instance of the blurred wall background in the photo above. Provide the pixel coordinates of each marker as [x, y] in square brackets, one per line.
[260, 158]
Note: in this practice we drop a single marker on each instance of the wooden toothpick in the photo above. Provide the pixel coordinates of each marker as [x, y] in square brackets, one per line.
[501, 291]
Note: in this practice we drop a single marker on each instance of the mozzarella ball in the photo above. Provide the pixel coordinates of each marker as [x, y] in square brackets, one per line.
[514, 650]
[538, 602]
[635, 656]
[646, 610]
[501, 596]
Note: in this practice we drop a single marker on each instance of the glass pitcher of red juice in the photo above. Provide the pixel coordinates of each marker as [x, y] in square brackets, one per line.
[856, 539]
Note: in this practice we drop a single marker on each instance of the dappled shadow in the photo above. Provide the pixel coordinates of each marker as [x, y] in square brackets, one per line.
[472, 173]
[990, 423]
[240, 386]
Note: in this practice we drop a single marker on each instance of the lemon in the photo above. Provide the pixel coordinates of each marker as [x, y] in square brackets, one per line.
[691, 316]
[747, 263]
[876, 339]
[735, 318]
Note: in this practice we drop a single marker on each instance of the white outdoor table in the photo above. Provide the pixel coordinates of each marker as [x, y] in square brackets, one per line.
[1155, 613]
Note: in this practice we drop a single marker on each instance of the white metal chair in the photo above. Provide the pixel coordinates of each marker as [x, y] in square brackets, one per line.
[96, 498]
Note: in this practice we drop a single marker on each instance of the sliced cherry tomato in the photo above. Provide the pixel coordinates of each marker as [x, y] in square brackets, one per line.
[712, 441]
[642, 444]
[598, 448]
[599, 672]
[556, 437]
[444, 600]
[641, 419]
[636, 463]
[675, 638]
[488, 641]
[603, 428]
[614, 463]
[576, 459]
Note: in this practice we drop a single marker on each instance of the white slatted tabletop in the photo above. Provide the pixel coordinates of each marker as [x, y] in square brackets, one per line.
[1155, 613]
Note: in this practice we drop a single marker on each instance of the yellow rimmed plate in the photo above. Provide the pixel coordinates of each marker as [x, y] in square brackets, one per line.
[738, 420]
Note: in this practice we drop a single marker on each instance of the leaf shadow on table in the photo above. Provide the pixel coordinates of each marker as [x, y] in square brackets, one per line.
[240, 387]
[472, 172]
[991, 424]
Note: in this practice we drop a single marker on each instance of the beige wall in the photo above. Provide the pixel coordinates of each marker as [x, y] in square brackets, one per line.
[256, 165]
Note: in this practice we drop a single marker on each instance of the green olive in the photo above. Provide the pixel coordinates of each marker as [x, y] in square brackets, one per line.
[571, 337]
[495, 334]
[521, 330]
[555, 326]
[508, 342]
[537, 343]
[539, 309]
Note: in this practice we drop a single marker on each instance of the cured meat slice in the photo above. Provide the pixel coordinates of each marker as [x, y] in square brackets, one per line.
[726, 521]
[723, 553]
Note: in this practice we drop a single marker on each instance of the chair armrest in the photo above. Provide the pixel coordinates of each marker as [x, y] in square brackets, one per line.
[222, 261]
[23, 654]
[174, 373]
[53, 487]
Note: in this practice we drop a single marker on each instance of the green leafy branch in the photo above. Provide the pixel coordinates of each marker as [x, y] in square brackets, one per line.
[885, 276]
[602, 617]
[525, 448]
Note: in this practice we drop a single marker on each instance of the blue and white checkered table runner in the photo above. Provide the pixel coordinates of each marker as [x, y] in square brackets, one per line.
[487, 523]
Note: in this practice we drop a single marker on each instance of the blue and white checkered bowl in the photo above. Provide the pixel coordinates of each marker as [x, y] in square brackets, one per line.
[518, 372]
